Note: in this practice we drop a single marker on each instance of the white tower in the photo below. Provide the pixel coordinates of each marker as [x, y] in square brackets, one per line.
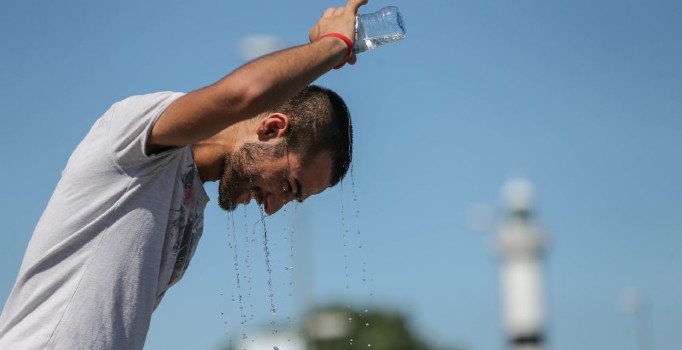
[520, 245]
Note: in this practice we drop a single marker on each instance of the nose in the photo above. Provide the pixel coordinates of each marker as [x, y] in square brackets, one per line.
[278, 203]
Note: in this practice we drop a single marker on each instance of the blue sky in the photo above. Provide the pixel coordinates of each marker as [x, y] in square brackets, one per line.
[584, 98]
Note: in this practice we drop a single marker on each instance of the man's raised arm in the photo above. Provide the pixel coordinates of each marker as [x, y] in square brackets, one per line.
[259, 85]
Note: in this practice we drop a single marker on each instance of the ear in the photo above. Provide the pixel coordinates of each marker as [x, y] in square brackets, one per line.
[272, 127]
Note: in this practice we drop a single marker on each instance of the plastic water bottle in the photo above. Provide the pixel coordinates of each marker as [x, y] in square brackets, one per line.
[378, 28]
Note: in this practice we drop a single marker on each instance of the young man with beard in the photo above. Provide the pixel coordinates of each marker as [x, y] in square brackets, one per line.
[126, 216]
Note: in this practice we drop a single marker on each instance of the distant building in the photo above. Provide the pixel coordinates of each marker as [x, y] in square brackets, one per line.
[520, 245]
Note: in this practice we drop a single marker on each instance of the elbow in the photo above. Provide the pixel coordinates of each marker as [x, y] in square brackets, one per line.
[242, 98]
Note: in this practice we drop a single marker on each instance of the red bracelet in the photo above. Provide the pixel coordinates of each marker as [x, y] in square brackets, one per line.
[346, 40]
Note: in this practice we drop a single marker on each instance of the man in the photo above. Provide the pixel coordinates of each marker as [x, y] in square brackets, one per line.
[124, 220]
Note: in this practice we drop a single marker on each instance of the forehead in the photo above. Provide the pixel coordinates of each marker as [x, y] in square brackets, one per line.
[313, 174]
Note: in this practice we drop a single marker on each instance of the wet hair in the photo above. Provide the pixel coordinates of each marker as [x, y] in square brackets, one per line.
[319, 121]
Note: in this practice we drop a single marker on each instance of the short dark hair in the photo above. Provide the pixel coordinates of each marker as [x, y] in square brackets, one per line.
[319, 121]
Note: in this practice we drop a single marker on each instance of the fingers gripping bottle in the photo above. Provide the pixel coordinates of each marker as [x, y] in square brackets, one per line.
[378, 28]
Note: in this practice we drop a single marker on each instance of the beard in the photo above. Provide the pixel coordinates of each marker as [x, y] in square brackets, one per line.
[239, 170]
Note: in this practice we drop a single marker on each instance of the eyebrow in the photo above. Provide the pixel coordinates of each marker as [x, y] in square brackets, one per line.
[299, 190]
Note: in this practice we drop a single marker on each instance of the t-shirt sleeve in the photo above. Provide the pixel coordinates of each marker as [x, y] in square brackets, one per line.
[130, 122]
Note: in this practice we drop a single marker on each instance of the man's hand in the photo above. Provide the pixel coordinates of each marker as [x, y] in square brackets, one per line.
[338, 20]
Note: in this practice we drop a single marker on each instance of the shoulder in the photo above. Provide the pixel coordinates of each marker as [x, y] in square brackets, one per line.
[153, 98]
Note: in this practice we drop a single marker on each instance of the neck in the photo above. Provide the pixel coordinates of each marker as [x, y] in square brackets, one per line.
[209, 154]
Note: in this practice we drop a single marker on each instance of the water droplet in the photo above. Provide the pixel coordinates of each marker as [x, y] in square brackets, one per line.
[271, 293]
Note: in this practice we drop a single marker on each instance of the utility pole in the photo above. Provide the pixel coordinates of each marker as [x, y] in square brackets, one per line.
[520, 245]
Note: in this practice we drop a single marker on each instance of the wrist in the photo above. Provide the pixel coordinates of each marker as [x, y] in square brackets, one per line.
[342, 42]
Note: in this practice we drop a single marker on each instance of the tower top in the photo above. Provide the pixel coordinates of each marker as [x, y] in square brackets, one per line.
[518, 196]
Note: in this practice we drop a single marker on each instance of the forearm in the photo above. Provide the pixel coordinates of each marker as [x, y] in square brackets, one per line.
[257, 86]
[273, 79]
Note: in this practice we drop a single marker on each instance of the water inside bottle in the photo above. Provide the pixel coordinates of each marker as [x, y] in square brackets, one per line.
[372, 43]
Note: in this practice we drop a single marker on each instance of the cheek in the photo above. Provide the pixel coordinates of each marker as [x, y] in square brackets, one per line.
[270, 185]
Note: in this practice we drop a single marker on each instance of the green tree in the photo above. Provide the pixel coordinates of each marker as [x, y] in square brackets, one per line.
[373, 330]
[341, 328]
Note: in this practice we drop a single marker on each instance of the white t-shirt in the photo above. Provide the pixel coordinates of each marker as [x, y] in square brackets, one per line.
[118, 231]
